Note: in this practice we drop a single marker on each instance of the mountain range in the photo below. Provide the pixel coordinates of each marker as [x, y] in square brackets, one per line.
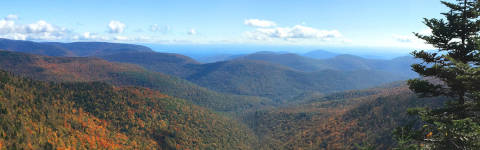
[69, 49]
[320, 54]
[82, 69]
[121, 96]
[342, 62]
[278, 76]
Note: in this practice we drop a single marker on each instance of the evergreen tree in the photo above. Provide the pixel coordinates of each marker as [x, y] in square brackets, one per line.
[452, 70]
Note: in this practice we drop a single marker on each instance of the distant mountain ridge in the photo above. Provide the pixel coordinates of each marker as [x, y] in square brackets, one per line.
[261, 77]
[33, 48]
[280, 76]
[343, 62]
[218, 57]
[320, 54]
[170, 63]
[84, 49]
[130, 93]
[291, 60]
[75, 49]
[81, 69]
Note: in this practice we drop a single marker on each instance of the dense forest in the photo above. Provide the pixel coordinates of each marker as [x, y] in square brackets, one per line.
[94, 115]
[68, 69]
[309, 120]
[257, 116]
[280, 77]
[344, 120]
[332, 119]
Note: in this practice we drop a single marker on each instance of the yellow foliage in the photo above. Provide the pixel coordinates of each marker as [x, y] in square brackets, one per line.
[429, 135]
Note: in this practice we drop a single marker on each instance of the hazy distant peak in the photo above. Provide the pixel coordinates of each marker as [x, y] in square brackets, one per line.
[320, 54]
[403, 57]
[348, 56]
[267, 52]
[70, 49]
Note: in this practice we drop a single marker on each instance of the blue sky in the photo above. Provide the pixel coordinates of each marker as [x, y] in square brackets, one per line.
[337, 23]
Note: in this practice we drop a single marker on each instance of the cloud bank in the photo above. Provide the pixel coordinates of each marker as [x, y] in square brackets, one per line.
[11, 17]
[40, 30]
[292, 33]
[264, 32]
[259, 23]
[116, 27]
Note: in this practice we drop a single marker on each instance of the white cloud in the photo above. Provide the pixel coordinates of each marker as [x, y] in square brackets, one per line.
[426, 31]
[411, 37]
[121, 38]
[44, 31]
[17, 36]
[411, 40]
[154, 28]
[7, 26]
[40, 30]
[259, 23]
[192, 32]
[291, 33]
[116, 26]
[11, 17]
[40, 27]
[89, 36]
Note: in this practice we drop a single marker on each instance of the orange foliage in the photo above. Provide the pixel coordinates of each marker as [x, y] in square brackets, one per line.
[97, 135]
[429, 135]
[80, 69]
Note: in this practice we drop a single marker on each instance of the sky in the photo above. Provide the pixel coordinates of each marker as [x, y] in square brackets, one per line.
[331, 23]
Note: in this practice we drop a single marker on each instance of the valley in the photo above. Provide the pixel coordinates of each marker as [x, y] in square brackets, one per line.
[285, 101]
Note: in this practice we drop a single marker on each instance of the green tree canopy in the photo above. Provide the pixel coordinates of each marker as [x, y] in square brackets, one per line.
[452, 70]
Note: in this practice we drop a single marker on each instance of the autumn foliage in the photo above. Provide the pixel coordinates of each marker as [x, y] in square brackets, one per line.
[44, 115]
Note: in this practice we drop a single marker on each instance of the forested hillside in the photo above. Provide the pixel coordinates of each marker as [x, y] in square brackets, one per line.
[291, 60]
[69, 49]
[240, 75]
[94, 115]
[92, 69]
[265, 78]
[257, 78]
[343, 62]
[308, 118]
[172, 64]
[277, 76]
[83, 49]
[344, 120]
